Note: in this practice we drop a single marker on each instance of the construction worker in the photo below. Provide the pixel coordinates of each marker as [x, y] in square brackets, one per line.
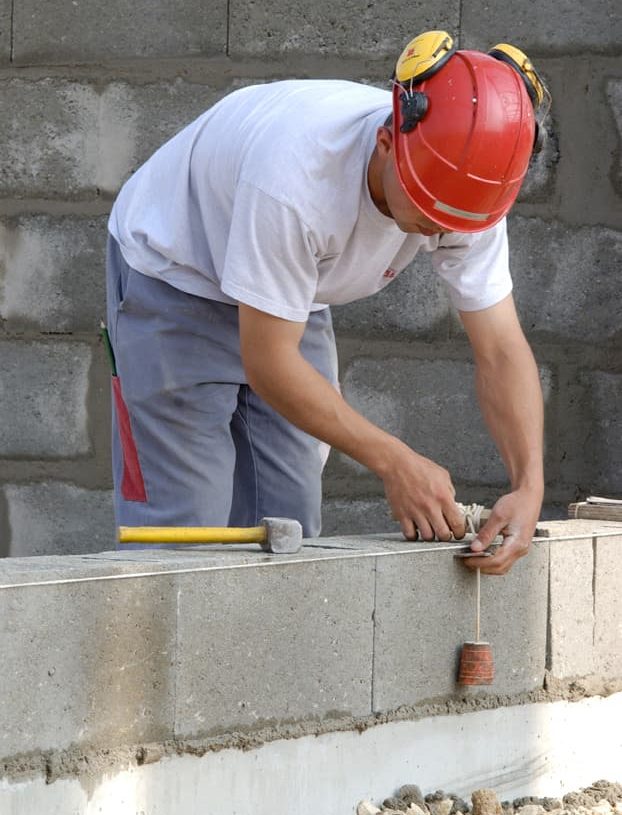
[227, 247]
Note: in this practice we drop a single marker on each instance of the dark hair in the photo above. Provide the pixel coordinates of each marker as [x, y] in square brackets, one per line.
[388, 122]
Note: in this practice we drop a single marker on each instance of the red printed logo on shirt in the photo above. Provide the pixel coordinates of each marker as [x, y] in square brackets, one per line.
[390, 274]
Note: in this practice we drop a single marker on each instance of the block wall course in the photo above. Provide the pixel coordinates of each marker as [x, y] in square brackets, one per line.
[571, 609]
[67, 140]
[431, 405]
[52, 273]
[608, 607]
[43, 391]
[58, 519]
[591, 445]
[603, 392]
[411, 664]
[99, 655]
[276, 27]
[547, 26]
[589, 148]
[5, 31]
[358, 516]
[614, 97]
[565, 280]
[293, 649]
[59, 32]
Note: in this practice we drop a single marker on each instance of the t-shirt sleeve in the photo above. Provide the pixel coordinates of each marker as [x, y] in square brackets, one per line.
[475, 267]
[269, 262]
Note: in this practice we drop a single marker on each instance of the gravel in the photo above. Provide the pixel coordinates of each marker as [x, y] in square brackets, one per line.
[600, 798]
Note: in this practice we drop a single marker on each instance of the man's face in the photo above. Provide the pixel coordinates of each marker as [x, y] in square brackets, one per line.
[405, 214]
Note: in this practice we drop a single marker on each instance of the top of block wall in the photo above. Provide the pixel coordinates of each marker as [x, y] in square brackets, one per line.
[61, 32]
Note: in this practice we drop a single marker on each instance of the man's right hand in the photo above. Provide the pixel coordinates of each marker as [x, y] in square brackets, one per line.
[421, 497]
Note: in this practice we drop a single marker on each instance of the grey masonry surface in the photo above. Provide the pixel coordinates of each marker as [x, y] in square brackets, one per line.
[222, 644]
[88, 92]
[43, 404]
[61, 32]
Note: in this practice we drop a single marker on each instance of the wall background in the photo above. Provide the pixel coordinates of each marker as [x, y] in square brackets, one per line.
[89, 90]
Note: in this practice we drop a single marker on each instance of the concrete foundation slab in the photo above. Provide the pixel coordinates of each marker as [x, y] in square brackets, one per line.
[540, 749]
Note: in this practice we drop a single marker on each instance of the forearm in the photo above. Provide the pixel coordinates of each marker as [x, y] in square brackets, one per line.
[298, 392]
[510, 396]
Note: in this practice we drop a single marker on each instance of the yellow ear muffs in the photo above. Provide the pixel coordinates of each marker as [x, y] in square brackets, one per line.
[423, 56]
[536, 88]
[520, 62]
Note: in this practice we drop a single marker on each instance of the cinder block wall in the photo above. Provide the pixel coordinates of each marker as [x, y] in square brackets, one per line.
[89, 90]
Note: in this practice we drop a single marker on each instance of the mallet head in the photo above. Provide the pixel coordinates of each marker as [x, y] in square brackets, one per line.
[283, 535]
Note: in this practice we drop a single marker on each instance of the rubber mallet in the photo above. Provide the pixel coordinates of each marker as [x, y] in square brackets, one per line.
[276, 535]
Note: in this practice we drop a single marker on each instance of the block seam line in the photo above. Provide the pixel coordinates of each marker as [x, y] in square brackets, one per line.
[373, 637]
[227, 27]
[460, 22]
[594, 556]
[176, 655]
[11, 34]
[548, 652]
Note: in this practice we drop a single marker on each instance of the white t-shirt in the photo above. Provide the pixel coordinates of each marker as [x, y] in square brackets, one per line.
[264, 200]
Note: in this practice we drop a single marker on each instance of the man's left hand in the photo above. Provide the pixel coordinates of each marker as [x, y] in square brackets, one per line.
[514, 516]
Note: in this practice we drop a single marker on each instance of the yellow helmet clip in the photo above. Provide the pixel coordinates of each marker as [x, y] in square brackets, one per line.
[423, 56]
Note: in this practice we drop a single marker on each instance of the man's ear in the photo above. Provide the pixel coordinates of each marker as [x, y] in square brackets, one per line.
[384, 140]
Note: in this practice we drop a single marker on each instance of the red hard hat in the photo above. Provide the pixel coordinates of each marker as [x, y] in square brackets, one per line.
[463, 163]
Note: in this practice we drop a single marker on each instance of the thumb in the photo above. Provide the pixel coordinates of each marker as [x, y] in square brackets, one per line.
[486, 535]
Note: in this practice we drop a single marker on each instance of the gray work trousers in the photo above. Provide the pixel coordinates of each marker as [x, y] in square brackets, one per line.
[192, 444]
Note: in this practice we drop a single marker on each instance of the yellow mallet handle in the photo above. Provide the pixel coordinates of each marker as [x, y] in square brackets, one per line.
[192, 534]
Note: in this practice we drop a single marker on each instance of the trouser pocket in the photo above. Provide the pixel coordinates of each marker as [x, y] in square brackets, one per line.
[132, 484]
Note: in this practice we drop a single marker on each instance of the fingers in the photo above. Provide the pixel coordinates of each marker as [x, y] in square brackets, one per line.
[494, 526]
[427, 529]
[504, 558]
[455, 520]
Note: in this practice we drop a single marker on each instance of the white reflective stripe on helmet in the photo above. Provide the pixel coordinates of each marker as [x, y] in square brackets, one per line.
[461, 213]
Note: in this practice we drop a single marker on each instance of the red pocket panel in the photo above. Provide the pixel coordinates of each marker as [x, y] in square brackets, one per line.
[132, 486]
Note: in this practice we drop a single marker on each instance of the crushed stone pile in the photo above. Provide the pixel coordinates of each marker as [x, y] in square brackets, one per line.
[601, 798]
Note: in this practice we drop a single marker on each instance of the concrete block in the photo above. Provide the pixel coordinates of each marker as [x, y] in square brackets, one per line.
[425, 611]
[356, 516]
[591, 444]
[345, 29]
[261, 646]
[565, 280]
[571, 614]
[60, 32]
[87, 663]
[431, 405]
[58, 519]
[5, 31]
[94, 136]
[52, 273]
[614, 97]
[43, 391]
[415, 302]
[537, 26]
[608, 607]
